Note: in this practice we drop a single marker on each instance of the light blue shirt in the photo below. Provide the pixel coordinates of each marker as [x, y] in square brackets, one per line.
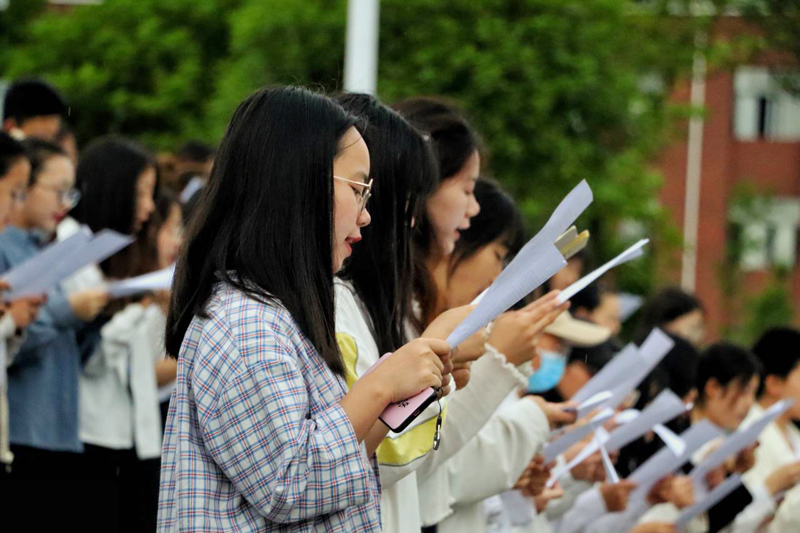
[43, 378]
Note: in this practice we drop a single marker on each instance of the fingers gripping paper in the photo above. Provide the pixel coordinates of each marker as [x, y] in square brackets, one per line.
[537, 262]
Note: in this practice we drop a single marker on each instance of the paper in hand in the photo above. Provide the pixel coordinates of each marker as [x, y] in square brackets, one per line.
[665, 406]
[537, 262]
[562, 444]
[711, 499]
[665, 462]
[78, 254]
[154, 281]
[34, 268]
[630, 254]
[628, 369]
[738, 441]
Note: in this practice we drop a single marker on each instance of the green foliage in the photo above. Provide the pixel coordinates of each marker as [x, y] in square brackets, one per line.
[769, 308]
[142, 67]
[561, 90]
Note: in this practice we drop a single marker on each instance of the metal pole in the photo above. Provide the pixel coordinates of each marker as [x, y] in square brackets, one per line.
[361, 49]
[694, 160]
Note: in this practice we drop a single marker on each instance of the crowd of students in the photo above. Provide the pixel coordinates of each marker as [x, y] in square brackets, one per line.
[323, 236]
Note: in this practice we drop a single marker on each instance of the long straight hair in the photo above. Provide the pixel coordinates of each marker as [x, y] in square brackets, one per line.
[405, 171]
[454, 141]
[107, 173]
[264, 222]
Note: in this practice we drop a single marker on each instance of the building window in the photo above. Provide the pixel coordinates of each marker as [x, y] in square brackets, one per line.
[767, 238]
[764, 110]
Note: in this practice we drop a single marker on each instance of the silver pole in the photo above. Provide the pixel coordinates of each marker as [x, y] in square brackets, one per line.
[694, 167]
[361, 49]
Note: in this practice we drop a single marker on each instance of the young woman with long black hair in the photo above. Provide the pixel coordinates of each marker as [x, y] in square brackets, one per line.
[120, 424]
[262, 433]
[511, 341]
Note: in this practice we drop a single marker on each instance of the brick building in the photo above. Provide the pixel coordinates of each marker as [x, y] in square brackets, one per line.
[750, 136]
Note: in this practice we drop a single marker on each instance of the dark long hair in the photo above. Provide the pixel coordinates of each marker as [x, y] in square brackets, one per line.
[106, 176]
[499, 218]
[454, 141]
[664, 307]
[405, 172]
[264, 223]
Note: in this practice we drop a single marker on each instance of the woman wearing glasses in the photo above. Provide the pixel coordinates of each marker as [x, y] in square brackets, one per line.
[43, 377]
[262, 433]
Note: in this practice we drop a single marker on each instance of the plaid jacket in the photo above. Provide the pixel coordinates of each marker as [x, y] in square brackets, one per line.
[256, 439]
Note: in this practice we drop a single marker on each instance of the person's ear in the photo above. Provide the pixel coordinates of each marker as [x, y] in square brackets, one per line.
[713, 390]
[774, 385]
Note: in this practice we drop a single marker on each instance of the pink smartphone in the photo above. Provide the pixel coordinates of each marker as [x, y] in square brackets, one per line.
[397, 416]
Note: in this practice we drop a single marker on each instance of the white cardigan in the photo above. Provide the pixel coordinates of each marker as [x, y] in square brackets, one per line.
[119, 406]
[773, 452]
[491, 463]
[410, 452]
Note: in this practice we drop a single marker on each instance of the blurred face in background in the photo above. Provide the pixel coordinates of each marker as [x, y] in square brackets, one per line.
[145, 190]
[473, 275]
[48, 200]
[781, 388]
[728, 406]
[170, 237]
[608, 312]
[567, 275]
[453, 204]
[13, 188]
[42, 127]
[691, 326]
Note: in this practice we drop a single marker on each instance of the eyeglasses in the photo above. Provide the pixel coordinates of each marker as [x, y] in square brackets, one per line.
[363, 194]
[68, 198]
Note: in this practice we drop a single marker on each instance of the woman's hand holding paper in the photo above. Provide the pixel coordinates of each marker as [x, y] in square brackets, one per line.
[516, 333]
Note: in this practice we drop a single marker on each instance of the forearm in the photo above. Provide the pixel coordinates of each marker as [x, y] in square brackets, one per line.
[363, 405]
[375, 436]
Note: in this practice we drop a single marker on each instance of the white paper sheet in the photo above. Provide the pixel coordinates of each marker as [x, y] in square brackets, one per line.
[738, 441]
[665, 406]
[561, 444]
[628, 305]
[630, 254]
[27, 272]
[608, 466]
[194, 185]
[710, 500]
[537, 262]
[670, 439]
[154, 281]
[665, 462]
[103, 245]
[626, 370]
[599, 399]
[652, 351]
[608, 376]
[518, 507]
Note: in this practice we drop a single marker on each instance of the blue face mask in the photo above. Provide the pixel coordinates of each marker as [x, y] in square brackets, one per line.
[551, 368]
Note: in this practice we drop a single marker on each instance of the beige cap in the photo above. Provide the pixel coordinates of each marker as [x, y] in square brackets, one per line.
[578, 332]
